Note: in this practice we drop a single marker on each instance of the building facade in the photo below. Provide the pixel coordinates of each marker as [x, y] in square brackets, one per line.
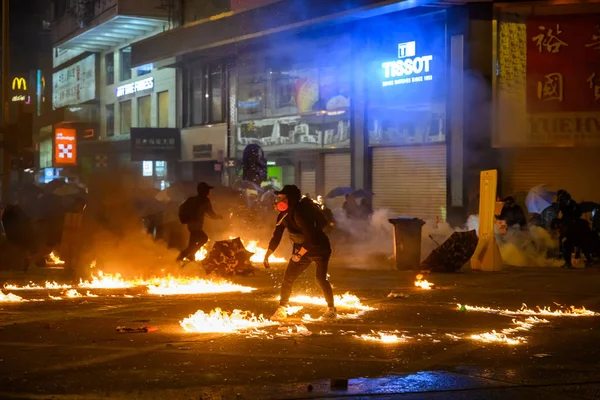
[98, 97]
[375, 101]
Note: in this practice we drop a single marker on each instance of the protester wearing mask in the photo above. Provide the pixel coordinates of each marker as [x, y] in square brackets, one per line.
[305, 223]
[191, 213]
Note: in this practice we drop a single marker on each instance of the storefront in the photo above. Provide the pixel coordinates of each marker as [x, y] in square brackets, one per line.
[406, 113]
[548, 98]
[295, 104]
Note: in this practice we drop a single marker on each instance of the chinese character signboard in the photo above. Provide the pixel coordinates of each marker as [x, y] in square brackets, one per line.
[75, 84]
[549, 82]
[155, 144]
[65, 147]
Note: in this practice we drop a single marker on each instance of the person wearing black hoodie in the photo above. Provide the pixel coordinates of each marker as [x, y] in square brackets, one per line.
[310, 243]
[192, 211]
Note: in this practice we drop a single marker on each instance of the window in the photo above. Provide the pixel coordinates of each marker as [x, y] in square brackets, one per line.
[251, 94]
[160, 169]
[110, 120]
[125, 114]
[144, 69]
[109, 61]
[216, 94]
[294, 90]
[125, 58]
[207, 94]
[163, 109]
[144, 112]
[196, 96]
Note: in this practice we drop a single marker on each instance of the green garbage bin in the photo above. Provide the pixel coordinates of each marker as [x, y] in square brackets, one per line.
[407, 242]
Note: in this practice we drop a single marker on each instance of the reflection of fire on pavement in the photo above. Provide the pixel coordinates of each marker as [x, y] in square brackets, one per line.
[384, 337]
[218, 321]
[422, 283]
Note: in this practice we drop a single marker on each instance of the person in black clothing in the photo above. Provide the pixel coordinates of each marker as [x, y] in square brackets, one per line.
[197, 207]
[512, 213]
[305, 227]
[574, 231]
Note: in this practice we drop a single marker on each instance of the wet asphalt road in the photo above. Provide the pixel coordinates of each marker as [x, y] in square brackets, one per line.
[69, 349]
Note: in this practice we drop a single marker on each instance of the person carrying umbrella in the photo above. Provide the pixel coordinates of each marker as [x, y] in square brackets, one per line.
[512, 213]
[304, 222]
[191, 213]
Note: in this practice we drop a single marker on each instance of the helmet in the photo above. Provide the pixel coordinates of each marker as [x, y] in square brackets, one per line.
[562, 196]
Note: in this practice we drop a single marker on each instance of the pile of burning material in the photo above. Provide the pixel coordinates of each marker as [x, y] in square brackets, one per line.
[228, 258]
[422, 283]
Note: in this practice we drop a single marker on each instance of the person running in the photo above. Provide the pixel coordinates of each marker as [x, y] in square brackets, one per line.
[305, 223]
[191, 213]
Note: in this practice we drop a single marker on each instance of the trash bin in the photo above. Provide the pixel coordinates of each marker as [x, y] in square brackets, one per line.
[407, 242]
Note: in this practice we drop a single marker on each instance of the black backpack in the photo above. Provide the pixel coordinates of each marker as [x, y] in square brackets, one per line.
[321, 221]
[188, 211]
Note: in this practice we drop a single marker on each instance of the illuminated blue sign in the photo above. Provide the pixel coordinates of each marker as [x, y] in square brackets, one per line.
[408, 68]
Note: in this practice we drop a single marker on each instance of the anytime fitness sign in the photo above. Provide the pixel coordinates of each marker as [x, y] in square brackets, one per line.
[408, 68]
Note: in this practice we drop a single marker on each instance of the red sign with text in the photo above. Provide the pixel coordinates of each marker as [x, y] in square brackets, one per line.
[563, 63]
[65, 147]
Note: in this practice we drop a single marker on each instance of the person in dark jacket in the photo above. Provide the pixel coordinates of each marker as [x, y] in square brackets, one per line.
[310, 245]
[200, 206]
[574, 231]
[512, 213]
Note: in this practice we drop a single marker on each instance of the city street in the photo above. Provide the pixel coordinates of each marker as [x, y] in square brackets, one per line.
[70, 348]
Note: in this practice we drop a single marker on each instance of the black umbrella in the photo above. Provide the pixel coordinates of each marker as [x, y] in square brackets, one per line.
[453, 253]
[339, 191]
[588, 206]
[227, 258]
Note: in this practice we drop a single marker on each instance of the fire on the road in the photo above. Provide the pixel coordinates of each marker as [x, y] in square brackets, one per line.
[384, 337]
[10, 298]
[347, 300]
[218, 321]
[571, 311]
[422, 283]
[179, 286]
[252, 247]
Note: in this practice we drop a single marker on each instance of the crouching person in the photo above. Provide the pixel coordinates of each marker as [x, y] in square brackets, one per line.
[305, 223]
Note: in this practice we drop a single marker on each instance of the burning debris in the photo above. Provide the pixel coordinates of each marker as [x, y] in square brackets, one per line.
[384, 337]
[10, 298]
[422, 283]
[571, 311]
[179, 286]
[53, 259]
[218, 321]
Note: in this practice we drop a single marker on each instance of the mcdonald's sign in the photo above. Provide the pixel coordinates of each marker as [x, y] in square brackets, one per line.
[19, 83]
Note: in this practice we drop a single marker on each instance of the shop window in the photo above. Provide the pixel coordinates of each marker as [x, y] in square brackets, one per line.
[110, 120]
[125, 60]
[163, 109]
[109, 64]
[207, 94]
[144, 112]
[251, 94]
[147, 168]
[144, 69]
[125, 114]
[294, 90]
[160, 169]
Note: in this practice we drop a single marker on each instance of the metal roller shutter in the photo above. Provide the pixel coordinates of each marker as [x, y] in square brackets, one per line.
[337, 171]
[575, 170]
[410, 181]
[308, 182]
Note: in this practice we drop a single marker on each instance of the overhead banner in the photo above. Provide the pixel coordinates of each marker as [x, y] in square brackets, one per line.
[75, 84]
[549, 82]
[155, 144]
[65, 147]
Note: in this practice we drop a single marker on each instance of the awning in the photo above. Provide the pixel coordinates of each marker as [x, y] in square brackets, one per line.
[250, 24]
[111, 33]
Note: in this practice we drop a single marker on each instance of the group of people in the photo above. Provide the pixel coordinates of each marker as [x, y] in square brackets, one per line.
[574, 232]
[355, 209]
[305, 224]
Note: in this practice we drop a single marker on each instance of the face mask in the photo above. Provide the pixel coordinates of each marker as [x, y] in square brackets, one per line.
[282, 206]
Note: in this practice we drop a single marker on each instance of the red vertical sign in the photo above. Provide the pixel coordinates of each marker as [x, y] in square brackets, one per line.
[563, 63]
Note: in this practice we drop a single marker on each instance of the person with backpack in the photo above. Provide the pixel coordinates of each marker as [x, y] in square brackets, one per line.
[305, 222]
[191, 213]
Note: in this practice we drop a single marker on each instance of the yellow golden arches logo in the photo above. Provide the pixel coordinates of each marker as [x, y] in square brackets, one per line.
[19, 83]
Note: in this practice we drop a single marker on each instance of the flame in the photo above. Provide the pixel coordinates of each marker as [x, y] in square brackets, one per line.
[218, 321]
[422, 283]
[571, 311]
[495, 337]
[177, 286]
[201, 254]
[33, 286]
[384, 337]
[55, 259]
[296, 330]
[10, 298]
[88, 294]
[291, 310]
[72, 293]
[347, 300]
[109, 281]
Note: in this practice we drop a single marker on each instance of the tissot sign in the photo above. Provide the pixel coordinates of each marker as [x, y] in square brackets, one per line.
[410, 67]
